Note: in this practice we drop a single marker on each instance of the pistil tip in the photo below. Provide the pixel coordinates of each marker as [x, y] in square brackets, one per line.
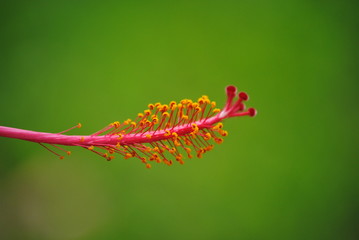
[252, 112]
[244, 96]
[231, 90]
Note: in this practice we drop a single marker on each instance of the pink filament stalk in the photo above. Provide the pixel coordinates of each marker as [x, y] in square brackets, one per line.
[104, 140]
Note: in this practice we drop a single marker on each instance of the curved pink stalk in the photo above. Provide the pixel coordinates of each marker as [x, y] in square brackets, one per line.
[155, 135]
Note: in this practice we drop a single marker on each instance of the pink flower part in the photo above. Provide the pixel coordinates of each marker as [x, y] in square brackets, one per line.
[159, 134]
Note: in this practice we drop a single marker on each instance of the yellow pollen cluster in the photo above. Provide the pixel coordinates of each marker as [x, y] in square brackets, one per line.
[164, 122]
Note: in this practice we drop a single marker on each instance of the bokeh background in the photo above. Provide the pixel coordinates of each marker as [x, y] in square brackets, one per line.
[289, 173]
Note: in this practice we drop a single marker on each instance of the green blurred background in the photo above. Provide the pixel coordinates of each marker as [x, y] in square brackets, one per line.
[289, 173]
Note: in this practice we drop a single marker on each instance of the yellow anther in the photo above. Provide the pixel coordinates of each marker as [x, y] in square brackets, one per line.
[120, 136]
[213, 104]
[218, 140]
[140, 115]
[90, 148]
[180, 106]
[207, 136]
[148, 136]
[105, 155]
[151, 106]
[172, 150]
[68, 152]
[198, 109]
[172, 103]
[156, 149]
[194, 105]
[216, 110]
[128, 155]
[206, 101]
[179, 158]
[210, 147]
[143, 159]
[200, 153]
[155, 120]
[154, 157]
[147, 112]
[146, 123]
[118, 145]
[148, 165]
[177, 143]
[133, 124]
[175, 135]
[173, 107]
[164, 108]
[185, 117]
[82, 139]
[184, 101]
[79, 125]
[115, 124]
[218, 126]
[224, 133]
[157, 104]
[154, 116]
[165, 114]
[168, 133]
[188, 150]
[195, 127]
